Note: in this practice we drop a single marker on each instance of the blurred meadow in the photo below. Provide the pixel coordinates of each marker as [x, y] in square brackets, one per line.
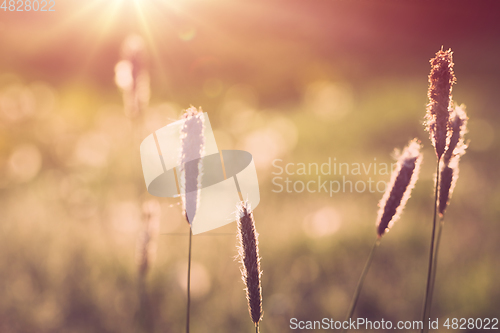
[288, 81]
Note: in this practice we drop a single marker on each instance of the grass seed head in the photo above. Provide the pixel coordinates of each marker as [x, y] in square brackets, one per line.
[447, 179]
[192, 148]
[456, 148]
[456, 132]
[131, 76]
[250, 261]
[399, 188]
[441, 80]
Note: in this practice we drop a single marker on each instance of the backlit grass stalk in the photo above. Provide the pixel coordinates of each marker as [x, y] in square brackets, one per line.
[132, 77]
[146, 253]
[391, 205]
[361, 280]
[192, 148]
[428, 287]
[248, 253]
[399, 188]
[438, 124]
[448, 176]
[441, 80]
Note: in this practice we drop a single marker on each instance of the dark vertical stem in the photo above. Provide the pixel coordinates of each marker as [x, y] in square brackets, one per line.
[361, 281]
[189, 283]
[257, 328]
[435, 260]
[428, 296]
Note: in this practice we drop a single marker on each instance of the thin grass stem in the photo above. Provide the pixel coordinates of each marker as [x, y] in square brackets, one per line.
[435, 260]
[257, 328]
[360, 282]
[189, 283]
[428, 296]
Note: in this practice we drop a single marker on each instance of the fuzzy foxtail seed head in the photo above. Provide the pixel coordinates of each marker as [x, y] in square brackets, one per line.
[441, 80]
[192, 148]
[399, 188]
[250, 261]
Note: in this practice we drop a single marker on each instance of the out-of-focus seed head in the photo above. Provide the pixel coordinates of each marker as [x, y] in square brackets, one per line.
[132, 77]
[447, 180]
[448, 174]
[399, 188]
[457, 129]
